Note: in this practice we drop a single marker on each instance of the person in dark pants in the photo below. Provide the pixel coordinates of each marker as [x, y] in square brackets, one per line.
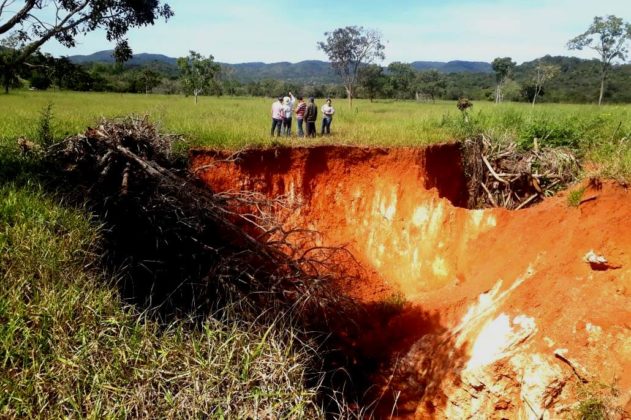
[311, 114]
[327, 117]
[300, 115]
[277, 116]
[288, 110]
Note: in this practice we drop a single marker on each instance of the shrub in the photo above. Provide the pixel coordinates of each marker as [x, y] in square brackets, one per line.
[45, 125]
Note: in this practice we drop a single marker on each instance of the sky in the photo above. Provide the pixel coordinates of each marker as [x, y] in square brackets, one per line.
[433, 30]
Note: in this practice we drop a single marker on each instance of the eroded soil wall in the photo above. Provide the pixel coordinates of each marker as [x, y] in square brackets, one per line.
[510, 290]
[399, 211]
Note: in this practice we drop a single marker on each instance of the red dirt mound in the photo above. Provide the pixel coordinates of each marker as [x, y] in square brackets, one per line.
[502, 312]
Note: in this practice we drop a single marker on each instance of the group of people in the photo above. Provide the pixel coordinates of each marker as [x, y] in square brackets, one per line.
[306, 114]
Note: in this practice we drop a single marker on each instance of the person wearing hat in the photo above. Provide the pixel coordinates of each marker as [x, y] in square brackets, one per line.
[311, 114]
[327, 117]
[288, 109]
[277, 116]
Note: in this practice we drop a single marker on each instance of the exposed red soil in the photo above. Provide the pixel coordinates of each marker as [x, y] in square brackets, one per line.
[400, 213]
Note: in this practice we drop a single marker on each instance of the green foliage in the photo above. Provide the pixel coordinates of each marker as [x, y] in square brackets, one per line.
[431, 83]
[577, 80]
[575, 197]
[613, 158]
[592, 409]
[8, 71]
[197, 73]
[350, 47]
[613, 34]
[550, 131]
[402, 80]
[503, 68]
[33, 26]
[600, 135]
[70, 347]
[45, 126]
[372, 80]
[74, 349]
[596, 402]
[542, 74]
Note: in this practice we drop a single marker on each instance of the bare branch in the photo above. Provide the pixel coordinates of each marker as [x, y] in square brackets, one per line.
[19, 17]
[64, 25]
[5, 3]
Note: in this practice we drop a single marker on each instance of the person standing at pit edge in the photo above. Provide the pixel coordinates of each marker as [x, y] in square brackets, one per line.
[300, 114]
[311, 114]
[327, 116]
[277, 116]
[288, 109]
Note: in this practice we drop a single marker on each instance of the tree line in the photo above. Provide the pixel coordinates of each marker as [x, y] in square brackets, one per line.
[573, 80]
[353, 53]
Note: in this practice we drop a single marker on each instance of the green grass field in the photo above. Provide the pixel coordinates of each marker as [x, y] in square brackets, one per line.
[599, 134]
[235, 122]
[70, 346]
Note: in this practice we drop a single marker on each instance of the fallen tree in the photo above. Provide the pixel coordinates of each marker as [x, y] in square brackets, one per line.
[128, 164]
[186, 251]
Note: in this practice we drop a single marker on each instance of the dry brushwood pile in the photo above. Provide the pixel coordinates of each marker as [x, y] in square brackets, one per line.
[503, 175]
[196, 239]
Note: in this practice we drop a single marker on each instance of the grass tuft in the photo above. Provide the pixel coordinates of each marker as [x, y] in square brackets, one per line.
[596, 402]
[575, 197]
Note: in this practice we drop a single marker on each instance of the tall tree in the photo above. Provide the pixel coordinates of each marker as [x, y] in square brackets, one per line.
[8, 72]
[149, 79]
[431, 83]
[372, 80]
[35, 22]
[503, 68]
[197, 73]
[402, 77]
[348, 49]
[607, 36]
[543, 73]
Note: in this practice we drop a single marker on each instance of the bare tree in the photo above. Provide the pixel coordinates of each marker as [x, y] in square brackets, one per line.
[543, 73]
[350, 47]
[608, 37]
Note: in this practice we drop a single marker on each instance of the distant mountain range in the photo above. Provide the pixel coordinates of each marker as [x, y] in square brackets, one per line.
[107, 57]
[456, 66]
[316, 71]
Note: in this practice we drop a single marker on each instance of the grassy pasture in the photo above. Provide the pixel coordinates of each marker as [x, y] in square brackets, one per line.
[70, 347]
[599, 134]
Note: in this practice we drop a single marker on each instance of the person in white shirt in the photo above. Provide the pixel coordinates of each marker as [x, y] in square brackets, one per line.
[288, 109]
[327, 117]
[277, 116]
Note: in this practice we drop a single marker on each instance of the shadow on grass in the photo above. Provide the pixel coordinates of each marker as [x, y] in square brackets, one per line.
[178, 268]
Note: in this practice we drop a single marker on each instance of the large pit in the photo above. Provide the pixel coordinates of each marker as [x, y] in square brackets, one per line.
[501, 316]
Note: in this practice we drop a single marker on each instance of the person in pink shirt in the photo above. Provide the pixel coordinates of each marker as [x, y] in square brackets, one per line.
[277, 116]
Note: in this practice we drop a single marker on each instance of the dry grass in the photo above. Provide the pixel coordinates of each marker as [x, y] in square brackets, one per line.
[69, 347]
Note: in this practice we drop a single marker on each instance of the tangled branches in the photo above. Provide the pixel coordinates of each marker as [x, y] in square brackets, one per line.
[168, 225]
[502, 175]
